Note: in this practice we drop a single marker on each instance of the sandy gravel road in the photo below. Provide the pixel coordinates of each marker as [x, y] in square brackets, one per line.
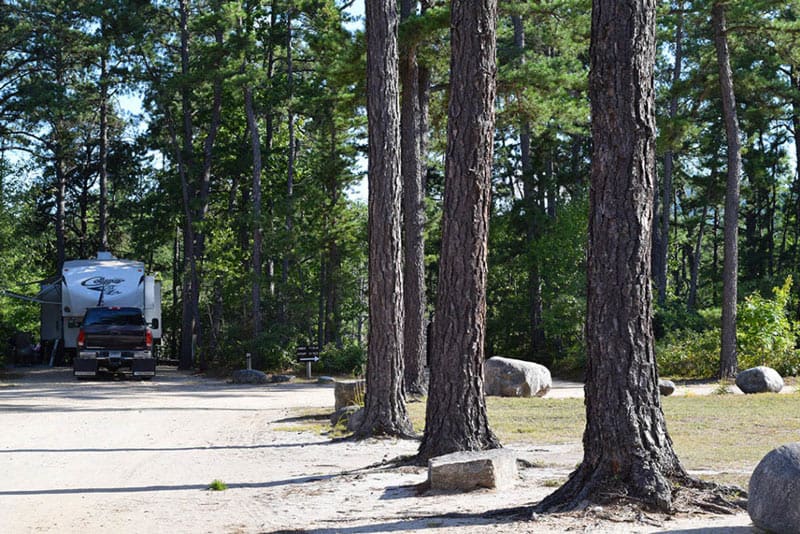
[137, 457]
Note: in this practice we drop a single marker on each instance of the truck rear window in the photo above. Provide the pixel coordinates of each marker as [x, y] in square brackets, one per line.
[113, 316]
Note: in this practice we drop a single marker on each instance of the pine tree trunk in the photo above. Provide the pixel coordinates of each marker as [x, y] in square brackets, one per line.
[61, 209]
[456, 418]
[794, 257]
[215, 319]
[424, 85]
[695, 272]
[332, 260]
[331, 312]
[626, 446]
[103, 156]
[289, 221]
[203, 197]
[728, 358]
[414, 342]
[663, 242]
[186, 163]
[83, 209]
[533, 209]
[385, 410]
[177, 269]
[255, 143]
[195, 194]
[268, 138]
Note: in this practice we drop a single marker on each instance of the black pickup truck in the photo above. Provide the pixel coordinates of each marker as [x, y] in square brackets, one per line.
[115, 339]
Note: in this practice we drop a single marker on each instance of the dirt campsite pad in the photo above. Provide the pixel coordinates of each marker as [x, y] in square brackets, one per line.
[138, 457]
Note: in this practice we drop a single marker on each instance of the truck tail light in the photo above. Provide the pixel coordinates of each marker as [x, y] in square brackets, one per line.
[81, 338]
[148, 338]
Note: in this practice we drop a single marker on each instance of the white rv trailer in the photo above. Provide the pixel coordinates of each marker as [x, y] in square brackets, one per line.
[101, 281]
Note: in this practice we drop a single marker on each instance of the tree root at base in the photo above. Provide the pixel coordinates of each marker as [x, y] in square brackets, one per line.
[655, 493]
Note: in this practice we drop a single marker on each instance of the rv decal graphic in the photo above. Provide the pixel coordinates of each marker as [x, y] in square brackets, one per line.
[100, 283]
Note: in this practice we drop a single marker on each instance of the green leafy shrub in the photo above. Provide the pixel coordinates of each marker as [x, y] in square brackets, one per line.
[269, 350]
[673, 315]
[765, 335]
[564, 330]
[349, 359]
[689, 354]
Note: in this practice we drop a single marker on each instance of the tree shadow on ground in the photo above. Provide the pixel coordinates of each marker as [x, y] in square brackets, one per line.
[305, 418]
[714, 530]
[412, 524]
[159, 488]
[166, 449]
[36, 382]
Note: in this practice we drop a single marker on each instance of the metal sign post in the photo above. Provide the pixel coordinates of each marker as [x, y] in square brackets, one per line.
[308, 354]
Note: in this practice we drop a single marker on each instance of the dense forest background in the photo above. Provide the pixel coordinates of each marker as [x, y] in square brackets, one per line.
[223, 143]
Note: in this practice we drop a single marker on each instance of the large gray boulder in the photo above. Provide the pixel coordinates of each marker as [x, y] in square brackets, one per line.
[506, 377]
[466, 471]
[759, 379]
[249, 376]
[349, 392]
[774, 491]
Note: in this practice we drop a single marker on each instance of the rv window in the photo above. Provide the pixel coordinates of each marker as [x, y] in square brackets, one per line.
[113, 316]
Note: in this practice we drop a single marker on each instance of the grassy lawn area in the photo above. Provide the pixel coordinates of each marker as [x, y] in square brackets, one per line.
[724, 433]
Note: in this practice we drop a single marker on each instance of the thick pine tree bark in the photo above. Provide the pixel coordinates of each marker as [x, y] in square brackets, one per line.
[627, 450]
[385, 409]
[456, 418]
[730, 265]
[414, 218]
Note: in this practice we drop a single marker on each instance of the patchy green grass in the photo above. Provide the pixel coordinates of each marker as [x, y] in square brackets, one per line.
[723, 433]
[531, 420]
[535, 420]
[314, 420]
[728, 434]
